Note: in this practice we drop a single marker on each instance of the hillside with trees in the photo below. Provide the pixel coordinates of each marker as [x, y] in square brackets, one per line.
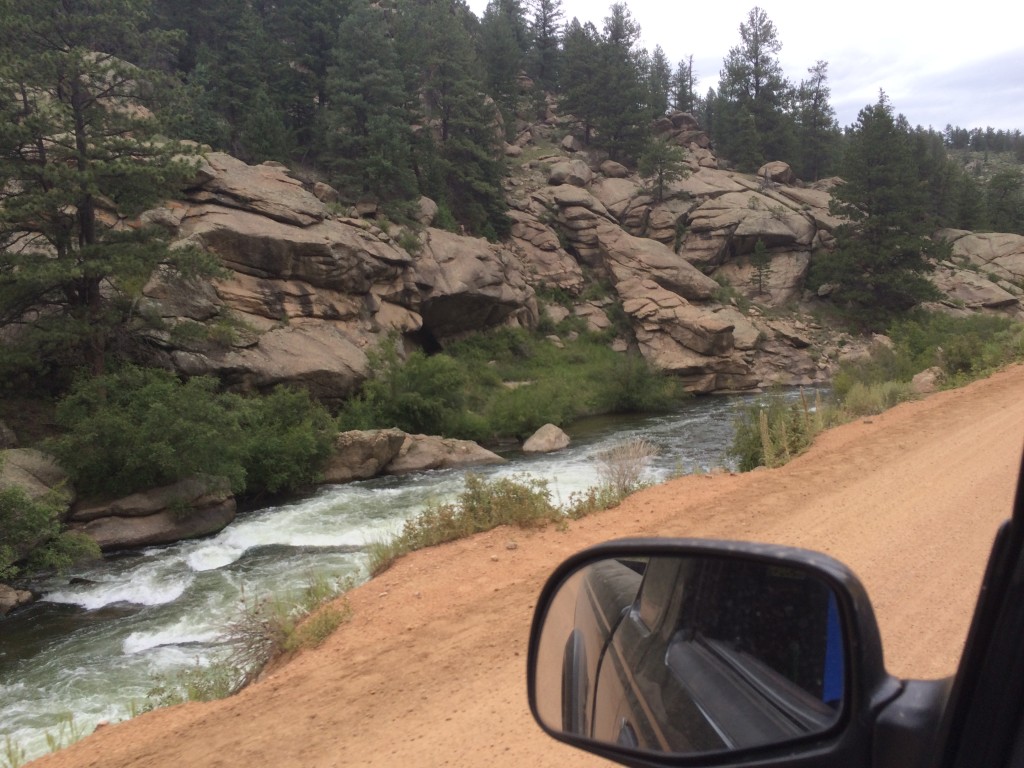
[289, 219]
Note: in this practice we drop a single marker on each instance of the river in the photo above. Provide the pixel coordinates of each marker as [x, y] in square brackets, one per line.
[106, 634]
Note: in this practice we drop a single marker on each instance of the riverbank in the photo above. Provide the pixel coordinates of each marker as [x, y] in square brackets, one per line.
[430, 670]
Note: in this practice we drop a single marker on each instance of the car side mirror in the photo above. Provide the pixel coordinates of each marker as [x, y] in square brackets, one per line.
[654, 651]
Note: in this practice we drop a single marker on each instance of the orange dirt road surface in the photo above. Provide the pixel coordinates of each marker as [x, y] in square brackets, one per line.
[430, 671]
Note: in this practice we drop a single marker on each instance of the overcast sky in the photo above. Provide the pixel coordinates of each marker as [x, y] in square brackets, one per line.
[937, 67]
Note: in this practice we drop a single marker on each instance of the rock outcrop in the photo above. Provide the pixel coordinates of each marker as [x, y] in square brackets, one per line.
[195, 507]
[310, 291]
[362, 454]
[36, 473]
[420, 453]
[11, 598]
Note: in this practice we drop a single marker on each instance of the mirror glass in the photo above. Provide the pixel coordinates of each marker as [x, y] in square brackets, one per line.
[689, 654]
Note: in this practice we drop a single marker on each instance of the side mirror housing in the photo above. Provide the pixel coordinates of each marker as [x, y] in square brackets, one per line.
[658, 652]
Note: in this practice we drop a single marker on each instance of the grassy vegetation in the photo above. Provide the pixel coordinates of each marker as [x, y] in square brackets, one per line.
[66, 732]
[262, 631]
[505, 383]
[772, 431]
[521, 501]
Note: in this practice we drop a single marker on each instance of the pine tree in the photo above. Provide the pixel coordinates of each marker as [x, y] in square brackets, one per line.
[235, 67]
[752, 83]
[582, 87]
[459, 159]
[303, 35]
[366, 137]
[659, 83]
[761, 261]
[662, 163]
[1004, 201]
[817, 129]
[545, 57]
[78, 158]
[684, 96]
[881, 257]
[620, 118]
[502, 56]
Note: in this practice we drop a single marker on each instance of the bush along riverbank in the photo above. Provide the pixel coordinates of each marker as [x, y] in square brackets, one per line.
[919, 354]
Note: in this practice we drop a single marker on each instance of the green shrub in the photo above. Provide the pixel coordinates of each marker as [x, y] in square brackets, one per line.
[773, 430]
[483, 504]
[423, 394]
[312, 632]
[963, 347]
[870, 399]
[143, 428]
[200, 682]
[287, 438]
[521, 411]
[32, 536]
[633, 386]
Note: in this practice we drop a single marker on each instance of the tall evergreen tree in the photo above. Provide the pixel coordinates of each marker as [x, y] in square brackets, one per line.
[684, 95]
[752, 84]
[234, 63]
[581, 83]
[366, 135]
[659, 83]
[817, 128]
[1004, 201]
[301, 37]
[501, 30]
[881, 257]
[621, 118]
[544, 60]
[78, 158]
[460, 165]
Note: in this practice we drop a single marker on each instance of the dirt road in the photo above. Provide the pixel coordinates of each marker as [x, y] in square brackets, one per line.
[431, 669]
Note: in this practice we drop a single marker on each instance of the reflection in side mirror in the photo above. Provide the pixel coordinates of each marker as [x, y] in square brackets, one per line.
[690, 653]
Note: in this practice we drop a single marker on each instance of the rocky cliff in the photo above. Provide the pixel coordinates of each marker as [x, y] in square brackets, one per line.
[309, 289]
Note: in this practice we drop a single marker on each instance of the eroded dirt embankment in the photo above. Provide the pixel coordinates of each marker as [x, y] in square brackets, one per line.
[431, 669]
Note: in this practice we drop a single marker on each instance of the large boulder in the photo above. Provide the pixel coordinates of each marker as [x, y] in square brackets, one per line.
[420, 453]
[362, 454]
[307, 293]
[547, 439]
[999, 254]
[629, 257]
[972, 290]
[783, 282]
[575, 172]
[11, 598]
[540, 252]
[266, 189]
[36, 473]
[467, 284]
[656, 310]
[195, 507]
[322, 357]
[331, 254]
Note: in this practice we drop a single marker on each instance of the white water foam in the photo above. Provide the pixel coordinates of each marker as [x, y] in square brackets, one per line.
[147, 588]
[180, 633]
